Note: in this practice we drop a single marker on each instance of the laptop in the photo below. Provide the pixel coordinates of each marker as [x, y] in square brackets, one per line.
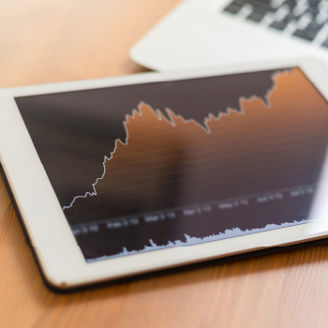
[208, 33]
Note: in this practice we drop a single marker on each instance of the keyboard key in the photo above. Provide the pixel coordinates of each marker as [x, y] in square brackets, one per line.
[325, 44]
[280, 26]
[255, 16]
[310, 32]
[291, 3]
[262, 5]
[292, 17]
[315, 27]
[312, 12]
[304, 34]
[232, 8]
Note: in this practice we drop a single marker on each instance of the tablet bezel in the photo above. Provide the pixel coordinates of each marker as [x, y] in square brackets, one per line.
[60, 258]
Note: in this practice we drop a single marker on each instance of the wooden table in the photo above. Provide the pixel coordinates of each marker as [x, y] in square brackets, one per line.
[50, 41]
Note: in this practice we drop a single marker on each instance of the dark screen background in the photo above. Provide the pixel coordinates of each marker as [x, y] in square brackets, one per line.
[176, 177]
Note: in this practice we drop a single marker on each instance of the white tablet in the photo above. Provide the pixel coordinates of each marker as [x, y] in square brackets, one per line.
[121, 176]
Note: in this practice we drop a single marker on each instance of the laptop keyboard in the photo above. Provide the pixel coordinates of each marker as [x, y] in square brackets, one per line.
[304, 19]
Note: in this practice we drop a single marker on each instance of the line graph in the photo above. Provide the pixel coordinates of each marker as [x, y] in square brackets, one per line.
[228, 233]
[171, 119]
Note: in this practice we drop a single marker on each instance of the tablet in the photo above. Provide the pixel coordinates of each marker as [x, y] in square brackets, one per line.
[122, 176]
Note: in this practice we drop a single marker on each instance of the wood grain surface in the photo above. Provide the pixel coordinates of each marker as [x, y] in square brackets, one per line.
[52, 41]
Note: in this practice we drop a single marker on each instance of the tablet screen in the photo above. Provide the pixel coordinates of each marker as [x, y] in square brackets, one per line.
[148, 166]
